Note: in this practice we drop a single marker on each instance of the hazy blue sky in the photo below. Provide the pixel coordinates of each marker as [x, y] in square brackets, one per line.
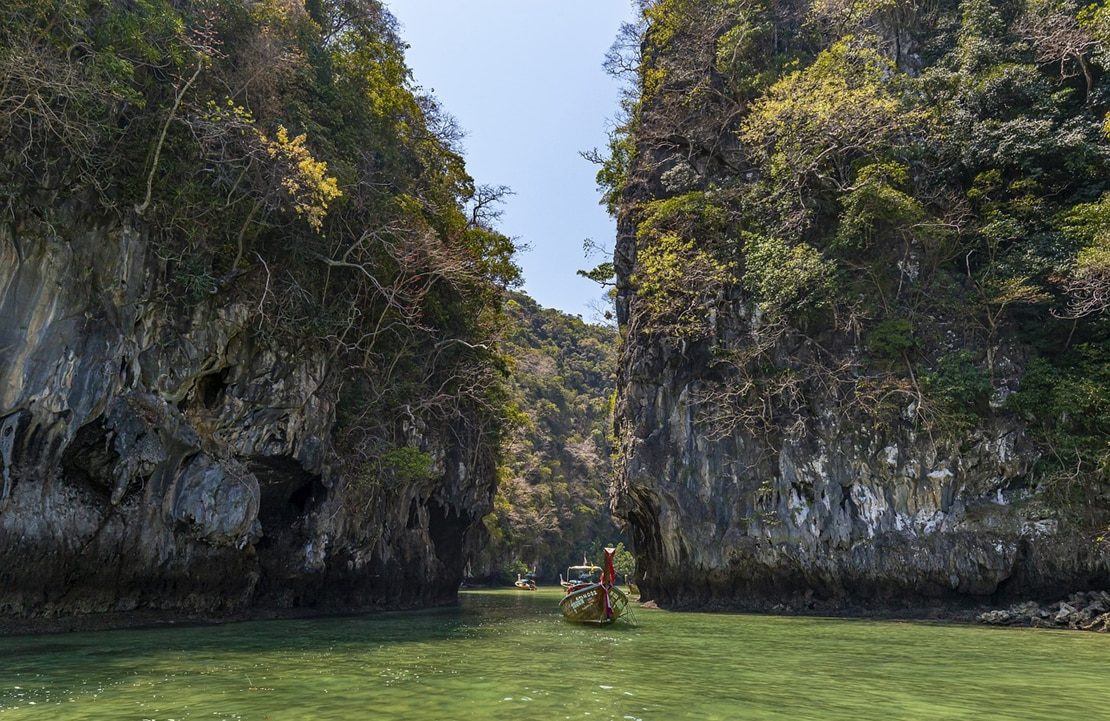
[524, 80]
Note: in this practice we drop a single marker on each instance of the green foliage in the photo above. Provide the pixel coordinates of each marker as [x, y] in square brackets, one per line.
[407, 464]
[787, 279]
[553, 489]
[694, 213]
[623, 562]
[744, 52]
[1066, 401]
[277, 154]
[931, 178]
[890, 339]
[602, 273]
[961, 389]
[674, 277]
[194, 277]
[877, 207]
[664, 23]
[816, 123]
[685, 258]
[1087, 277]
[613, 173]
[395, 468]
[1069, 400]
[510, 572]
[1094, 19]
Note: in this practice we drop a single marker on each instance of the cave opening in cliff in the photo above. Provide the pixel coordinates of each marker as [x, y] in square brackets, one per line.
[287, 491]
[305, 496]
[90, 458]
[446, 528]
[210, 388]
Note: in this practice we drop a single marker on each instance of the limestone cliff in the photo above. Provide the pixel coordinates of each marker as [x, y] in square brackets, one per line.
[845, 513]
[248, 320]
[157, 456]
[826, 399]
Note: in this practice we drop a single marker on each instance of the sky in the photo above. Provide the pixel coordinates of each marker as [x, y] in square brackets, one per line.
[523, 78]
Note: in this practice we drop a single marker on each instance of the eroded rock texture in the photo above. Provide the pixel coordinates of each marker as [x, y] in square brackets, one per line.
[777, 454]
[843, 514]
[160, 455]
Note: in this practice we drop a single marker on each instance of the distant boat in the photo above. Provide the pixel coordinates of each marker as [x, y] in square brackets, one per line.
[595, 601]
[528, 583]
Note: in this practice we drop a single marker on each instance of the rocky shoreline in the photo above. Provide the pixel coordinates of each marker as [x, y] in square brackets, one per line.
[1083, 611]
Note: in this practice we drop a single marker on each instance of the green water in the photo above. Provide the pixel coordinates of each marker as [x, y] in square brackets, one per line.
[509, 655]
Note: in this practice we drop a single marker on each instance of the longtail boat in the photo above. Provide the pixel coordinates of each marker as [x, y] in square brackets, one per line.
[595, 601]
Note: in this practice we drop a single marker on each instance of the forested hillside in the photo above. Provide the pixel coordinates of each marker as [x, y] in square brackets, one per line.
[552, 504]
[862, 279]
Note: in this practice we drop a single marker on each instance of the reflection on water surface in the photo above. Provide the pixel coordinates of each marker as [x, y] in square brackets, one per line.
[508, 654]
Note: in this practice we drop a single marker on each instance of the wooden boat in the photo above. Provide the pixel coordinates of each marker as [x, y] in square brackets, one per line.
[596, 601]
[528, 583]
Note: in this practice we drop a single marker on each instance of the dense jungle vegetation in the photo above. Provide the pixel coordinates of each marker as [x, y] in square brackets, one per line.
[552, 502]
[276, 151]
[909, 200]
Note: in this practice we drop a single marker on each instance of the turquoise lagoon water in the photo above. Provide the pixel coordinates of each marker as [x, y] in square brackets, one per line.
[508, 654]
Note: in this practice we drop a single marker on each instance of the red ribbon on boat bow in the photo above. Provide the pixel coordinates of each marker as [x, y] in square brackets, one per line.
[608, 578]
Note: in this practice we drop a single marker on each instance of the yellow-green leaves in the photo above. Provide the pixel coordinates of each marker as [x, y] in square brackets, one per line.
[812, 125]
[674, 277]
[306, 179]
[876, 206]
[786, 278]
[1087, 281]
[685, 259]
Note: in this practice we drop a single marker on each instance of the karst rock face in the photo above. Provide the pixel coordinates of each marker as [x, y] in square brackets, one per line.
[756, 467]
[169, 456]
[841, 515]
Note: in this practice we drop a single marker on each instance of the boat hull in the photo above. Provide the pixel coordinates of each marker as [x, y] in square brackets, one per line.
[586, 604]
